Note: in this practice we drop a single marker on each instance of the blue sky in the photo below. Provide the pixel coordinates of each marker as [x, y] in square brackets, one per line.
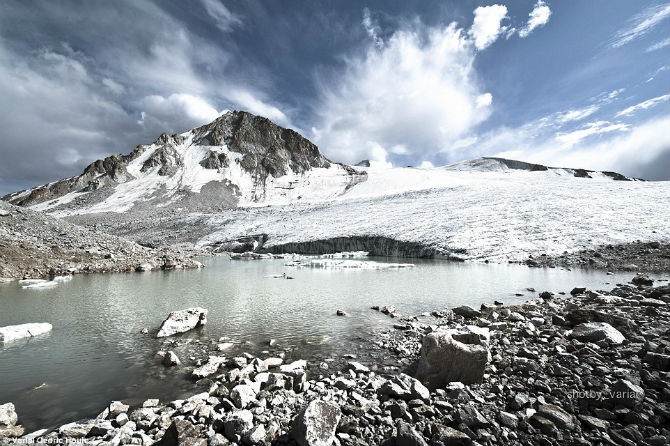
[575, 84]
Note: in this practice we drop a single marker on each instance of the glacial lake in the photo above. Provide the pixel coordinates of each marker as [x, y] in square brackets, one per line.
[97, 354]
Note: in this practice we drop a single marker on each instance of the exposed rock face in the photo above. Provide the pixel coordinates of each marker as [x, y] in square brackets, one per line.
[14, 332]
[268, 149]
[316, 424]
[182, 321]
[449, 355]
[597, 331]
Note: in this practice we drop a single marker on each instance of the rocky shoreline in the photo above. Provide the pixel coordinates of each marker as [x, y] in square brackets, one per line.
[637, 256]
[589, 368]
[37, 246]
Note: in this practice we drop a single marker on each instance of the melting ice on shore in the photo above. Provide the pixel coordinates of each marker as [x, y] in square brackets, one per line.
[42, 283]
[346, 264]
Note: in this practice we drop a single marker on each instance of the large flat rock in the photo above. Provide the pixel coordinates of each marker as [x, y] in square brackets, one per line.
[182, 321]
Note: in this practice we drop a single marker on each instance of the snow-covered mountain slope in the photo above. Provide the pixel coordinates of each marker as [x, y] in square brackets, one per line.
[237, 160]
[472, 215]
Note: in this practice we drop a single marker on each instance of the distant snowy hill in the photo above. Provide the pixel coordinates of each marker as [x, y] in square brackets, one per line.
[242, 182]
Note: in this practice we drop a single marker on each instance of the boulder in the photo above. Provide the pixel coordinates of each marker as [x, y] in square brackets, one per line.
[209, 368]
[642, 280]
[597, 331]
[466, 311]
[181, 433]
[242, 395]
[316, 424]
[182, 321]
[8, 416]
[14, 332]
[404, 387]
[237, 424]
[449, 355]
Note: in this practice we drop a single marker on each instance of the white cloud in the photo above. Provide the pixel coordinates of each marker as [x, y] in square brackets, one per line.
[426, 165]
[486, 26]
[187, 110]
[539, 16]
[249, 102]
[419, 91]
[658, 45]
[644, 105]
[577, 114]
[484, 100]
[593, 128]
[641, 24]
[223, 18]
[631, 152]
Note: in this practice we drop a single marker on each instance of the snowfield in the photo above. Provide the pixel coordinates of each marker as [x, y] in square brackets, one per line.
[496, 215]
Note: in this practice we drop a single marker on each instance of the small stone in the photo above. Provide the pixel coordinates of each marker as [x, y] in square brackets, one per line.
[508, 419]
[557, 415]
[171, 359]
[625, 393]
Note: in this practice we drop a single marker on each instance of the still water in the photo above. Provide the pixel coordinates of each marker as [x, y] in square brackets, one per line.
[97, 354]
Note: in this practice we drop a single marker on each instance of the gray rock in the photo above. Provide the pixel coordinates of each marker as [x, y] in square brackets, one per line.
[466, 311]
[181, 433]
[642, 279]
[557, 415]
[597, 331]
[8, 416]
[171, 359]
[594, 423]
[658, 361]
[404, 387]
[508, 419]
[406, 436]
[625, 393]
[182, 321]
[256, 435]
[447, 356]
[237, 424]
[357, 367]
[543, 425]
[209, 368]
[316, 424]
[243, 395]
[115, 408]
[75, 430]
[11, 432]
[471, 417]
[447, 436]
[15, 332]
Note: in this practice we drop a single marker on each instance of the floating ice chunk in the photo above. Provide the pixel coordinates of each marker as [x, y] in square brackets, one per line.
[347, 264]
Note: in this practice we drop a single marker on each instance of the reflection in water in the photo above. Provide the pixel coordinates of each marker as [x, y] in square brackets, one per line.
[96, 352]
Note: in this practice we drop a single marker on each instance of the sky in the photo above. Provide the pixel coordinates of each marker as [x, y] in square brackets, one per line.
[414, 82]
